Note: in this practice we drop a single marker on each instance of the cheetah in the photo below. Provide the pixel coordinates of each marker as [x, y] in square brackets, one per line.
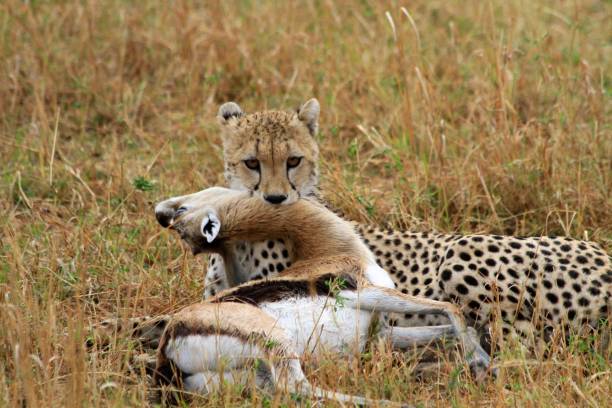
[324, 302]
[529, 285]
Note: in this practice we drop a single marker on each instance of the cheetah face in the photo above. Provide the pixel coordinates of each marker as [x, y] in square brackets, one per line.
[271, 154]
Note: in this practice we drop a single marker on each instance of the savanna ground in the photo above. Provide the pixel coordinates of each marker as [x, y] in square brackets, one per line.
[480, 116]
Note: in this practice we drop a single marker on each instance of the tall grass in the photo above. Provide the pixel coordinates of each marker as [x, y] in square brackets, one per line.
[456, 116]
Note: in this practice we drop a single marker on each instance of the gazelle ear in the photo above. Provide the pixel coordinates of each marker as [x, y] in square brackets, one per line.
[308, 114]
[227, 111]
[210, 226]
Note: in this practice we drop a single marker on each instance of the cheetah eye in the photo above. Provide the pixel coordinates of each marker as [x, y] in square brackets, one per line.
[293, 162]
[252, 164]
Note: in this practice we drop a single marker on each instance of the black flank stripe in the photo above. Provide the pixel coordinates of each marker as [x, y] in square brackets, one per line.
[275, 290]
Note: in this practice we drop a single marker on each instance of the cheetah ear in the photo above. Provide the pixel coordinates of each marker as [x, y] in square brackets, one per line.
[308, 114]
[227, 111]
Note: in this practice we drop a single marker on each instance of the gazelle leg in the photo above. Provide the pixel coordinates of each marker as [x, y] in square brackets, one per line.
[146, 330]
[290, 374]
[287, 374]
[389, 300]
[405, 337]
[206, 382]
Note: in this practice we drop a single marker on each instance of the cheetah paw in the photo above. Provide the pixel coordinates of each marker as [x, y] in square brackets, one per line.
[479, 361]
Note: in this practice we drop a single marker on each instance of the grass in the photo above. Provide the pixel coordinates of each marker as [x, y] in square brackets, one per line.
[470, 117]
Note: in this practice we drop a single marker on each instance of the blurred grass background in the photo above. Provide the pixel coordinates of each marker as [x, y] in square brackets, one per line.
[478, 116]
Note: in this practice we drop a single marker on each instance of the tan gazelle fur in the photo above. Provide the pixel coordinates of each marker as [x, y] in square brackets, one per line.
[291, 309]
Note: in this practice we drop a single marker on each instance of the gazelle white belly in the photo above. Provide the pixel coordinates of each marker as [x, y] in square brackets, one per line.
[319, 323]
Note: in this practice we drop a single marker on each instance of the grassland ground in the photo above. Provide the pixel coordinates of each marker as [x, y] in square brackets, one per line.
[485, 117]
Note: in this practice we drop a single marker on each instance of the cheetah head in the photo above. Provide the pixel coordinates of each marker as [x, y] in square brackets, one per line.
[272, 154]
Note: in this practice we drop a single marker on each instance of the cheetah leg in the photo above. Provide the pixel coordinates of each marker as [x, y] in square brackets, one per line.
[503, 335]
[406, 337]
[216, 278]
[389, 300]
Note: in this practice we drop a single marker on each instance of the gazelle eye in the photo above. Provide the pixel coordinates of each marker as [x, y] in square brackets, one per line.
[252, 164]
[180, 211]
[293, 162]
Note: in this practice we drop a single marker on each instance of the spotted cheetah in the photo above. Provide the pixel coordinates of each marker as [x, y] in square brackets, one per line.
[530, 285]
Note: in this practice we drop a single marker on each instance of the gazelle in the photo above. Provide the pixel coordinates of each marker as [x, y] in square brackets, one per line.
[324, 302]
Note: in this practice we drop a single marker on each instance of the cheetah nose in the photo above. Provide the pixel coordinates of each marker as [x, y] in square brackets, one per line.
[275, 199]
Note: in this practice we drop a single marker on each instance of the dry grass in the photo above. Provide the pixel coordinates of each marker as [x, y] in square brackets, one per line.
[486, 116]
